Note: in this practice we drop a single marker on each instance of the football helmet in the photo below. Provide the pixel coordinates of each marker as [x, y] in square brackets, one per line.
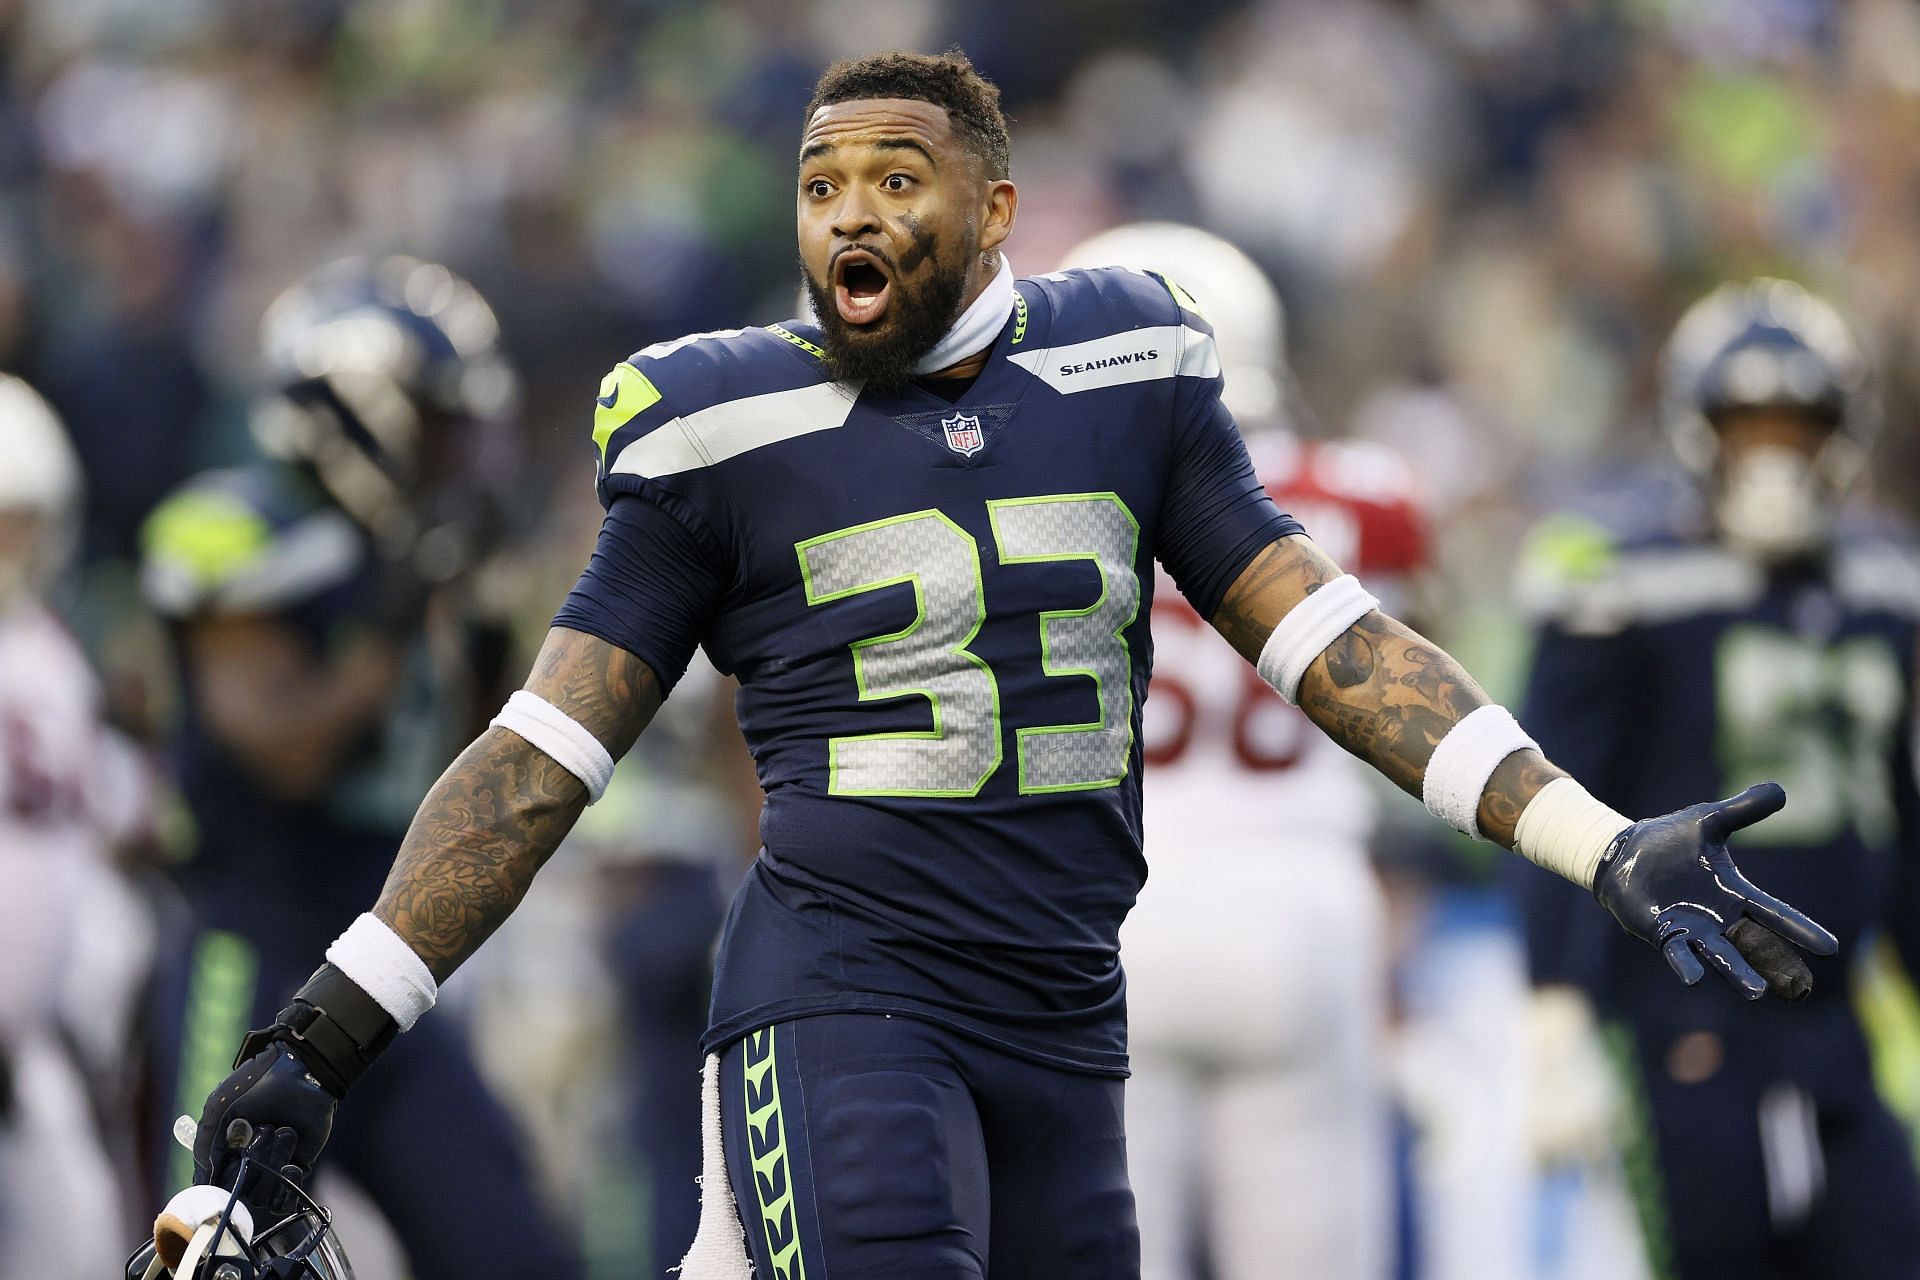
[208, 1233]
[1235, 295]
[40, 490]
[391, 386]
[1768, 344]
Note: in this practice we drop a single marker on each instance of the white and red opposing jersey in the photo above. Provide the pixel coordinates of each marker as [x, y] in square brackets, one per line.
[1229, 764]
[64, 792]
[49, 726]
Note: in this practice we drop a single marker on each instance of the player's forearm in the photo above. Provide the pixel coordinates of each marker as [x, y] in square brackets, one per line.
[290, 720]
[497, 815]
[1389, 695]
[490, 823]
[1379, 689]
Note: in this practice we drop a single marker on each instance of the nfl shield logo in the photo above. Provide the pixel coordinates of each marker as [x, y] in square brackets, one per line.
[963, 434]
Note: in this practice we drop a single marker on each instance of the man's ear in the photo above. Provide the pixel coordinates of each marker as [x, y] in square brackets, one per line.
[997, 213]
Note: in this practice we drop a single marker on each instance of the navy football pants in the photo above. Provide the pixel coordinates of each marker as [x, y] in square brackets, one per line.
[1825, 1191]
[862, 1147]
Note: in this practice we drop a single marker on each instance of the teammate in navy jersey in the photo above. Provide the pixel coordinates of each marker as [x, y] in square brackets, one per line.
[1689, 645]
[315, 692]
[920, 529]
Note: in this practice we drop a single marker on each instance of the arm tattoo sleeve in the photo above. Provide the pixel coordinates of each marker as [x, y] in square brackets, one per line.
[502, 808]
[1382, 691]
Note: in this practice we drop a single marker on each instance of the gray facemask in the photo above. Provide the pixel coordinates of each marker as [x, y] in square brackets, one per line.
[1773, 503]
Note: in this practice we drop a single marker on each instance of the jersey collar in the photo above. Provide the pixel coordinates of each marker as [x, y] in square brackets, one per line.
[977, 326]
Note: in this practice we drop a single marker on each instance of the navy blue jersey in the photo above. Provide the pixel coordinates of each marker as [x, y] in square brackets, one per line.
[938, 616]
[266, 541]
[1669, 670]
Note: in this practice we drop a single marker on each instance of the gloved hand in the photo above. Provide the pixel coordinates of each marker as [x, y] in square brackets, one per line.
[1573, 1093]
[277, 1107]
[1671, 881]
[272, 1111]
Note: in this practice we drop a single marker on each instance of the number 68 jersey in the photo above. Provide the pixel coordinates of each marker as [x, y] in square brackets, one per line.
[937, 611]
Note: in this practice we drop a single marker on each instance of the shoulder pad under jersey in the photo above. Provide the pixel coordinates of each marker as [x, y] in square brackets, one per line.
[1106, 326]
[695, 401]
[246, 540]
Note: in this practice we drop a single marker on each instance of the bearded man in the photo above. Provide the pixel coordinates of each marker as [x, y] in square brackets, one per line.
[921, 529]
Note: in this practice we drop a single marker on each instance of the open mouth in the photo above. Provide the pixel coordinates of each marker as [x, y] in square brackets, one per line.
[860, 287]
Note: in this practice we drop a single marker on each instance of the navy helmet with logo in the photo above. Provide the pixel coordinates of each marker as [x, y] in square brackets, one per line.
[390, 382]
[1769, 344]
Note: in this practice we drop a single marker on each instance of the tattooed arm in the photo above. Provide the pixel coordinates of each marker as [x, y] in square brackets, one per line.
[1382, 691]
[498, 813]
[483, 831]
[1389, 696]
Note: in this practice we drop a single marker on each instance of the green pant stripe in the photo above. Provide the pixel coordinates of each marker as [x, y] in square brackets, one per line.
[1640, 1152]
[219, 1000]
[766, 1142]
[617, 1227]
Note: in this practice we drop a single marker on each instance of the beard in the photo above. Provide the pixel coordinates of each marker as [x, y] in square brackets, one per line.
[882, 355]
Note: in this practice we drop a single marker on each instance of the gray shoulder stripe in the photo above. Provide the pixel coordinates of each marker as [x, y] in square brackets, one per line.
[1646, 588]
[1879, 578]
[713, 435]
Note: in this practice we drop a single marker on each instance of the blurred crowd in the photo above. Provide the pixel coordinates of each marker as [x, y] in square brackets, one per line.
[1484, 217]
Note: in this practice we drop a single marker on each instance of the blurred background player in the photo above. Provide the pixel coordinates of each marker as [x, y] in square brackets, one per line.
[74, 939]
[1752, 625]
[1258, 1132]
[321, 610]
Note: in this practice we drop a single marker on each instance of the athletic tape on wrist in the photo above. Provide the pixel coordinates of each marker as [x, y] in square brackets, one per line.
[1308, 628]
[1458, 772]
[386, 968]
[560, 736]
[1565, 830]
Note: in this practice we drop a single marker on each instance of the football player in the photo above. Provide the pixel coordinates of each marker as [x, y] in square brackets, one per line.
[74, 940]
[301, 594]
[1259, 1127]
[921, 532]
[1747, 627]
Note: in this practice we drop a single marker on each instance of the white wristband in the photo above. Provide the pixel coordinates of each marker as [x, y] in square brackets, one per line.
[1565, 830]
[560, 736]
[386, 968]
[1308, 628]
[1458, 771]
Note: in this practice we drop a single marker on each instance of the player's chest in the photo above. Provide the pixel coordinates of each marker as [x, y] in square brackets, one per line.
[1793, 654]
[990, 483]
[1801, 692]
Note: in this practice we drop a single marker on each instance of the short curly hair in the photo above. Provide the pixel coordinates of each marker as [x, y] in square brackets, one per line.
[948, 80]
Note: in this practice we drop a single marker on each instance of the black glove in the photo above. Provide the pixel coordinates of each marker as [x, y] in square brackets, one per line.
[272, 1112]
[1671, 881]
[276, 1109]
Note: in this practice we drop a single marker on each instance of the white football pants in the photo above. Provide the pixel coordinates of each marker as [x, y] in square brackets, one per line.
[61, 1210]
[1257, 1115]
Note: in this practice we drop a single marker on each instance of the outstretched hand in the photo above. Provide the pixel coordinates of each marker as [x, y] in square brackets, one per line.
[1671, 881]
